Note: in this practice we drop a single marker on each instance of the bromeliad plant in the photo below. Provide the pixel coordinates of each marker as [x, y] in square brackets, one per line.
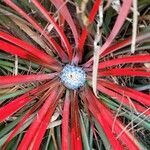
[49, 102]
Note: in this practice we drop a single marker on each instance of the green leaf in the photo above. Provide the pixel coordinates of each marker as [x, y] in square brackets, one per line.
[84, 134]
[26, 124]
[14, 94]
[102, 135]
[9, 127]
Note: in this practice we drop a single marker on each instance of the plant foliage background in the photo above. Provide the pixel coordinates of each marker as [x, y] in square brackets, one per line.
[38, 38]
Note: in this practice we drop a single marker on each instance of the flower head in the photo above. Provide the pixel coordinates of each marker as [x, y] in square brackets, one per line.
[73, 77]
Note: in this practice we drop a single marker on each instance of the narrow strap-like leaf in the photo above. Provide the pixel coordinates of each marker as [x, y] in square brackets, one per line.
[38, 137]
[107, 115]
[136, 95]
[27, 139]
[125, 60]
[12, 107]
[126, 137]
[122, 99]
[56, 26]
[41, 30]
[29, 48]
[61, 6]
[65, 123]
[18, 79]
[84, 33]
[76, 142]
[115, 144]
[126, 72]
[124, 43]
[118, 24]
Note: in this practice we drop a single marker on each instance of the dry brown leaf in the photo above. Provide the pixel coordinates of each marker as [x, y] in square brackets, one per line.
[33, 35]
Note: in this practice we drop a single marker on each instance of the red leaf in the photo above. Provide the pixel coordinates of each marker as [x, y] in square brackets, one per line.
[125, 43]
[102, 120]
[65, 123]
[29, 48]
[23, 119]
[27, 139]
[56, 26]
[56, 46]
[122, 99]
[136, 95]
[15, 50]
[9, 48]
[84, 33]
[76, 142]
[126, 137]
[45, 122]
[103, 111]
[15, 130]
[126, 72]
[18, 103]
[118, 24]
[61, 6]
[82, 41]
[18, 79]
[94, 10]
[124, 60]
[42, 129]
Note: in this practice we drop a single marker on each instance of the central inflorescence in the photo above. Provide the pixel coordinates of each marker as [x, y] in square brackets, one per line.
[73, 77]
